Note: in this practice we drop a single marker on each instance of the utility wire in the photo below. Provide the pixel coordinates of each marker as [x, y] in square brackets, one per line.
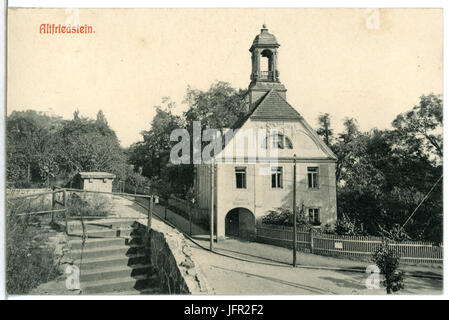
[424, 199]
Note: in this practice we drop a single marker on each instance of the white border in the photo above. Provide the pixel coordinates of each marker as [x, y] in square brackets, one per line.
[209, 4]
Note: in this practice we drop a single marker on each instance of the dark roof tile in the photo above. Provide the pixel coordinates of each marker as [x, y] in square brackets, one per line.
[274, 107]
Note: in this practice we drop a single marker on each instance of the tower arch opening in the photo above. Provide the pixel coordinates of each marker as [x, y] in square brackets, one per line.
[240, 223]
[266, 64]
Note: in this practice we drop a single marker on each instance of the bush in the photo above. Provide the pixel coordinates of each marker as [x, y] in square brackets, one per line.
[284, 217]
[347, 227]
[29, 262]
[395, 233]
[88, 205]
[387, 260]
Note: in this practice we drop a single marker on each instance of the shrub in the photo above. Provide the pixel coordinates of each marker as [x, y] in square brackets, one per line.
[137, 180]
[281, 216]
[387, 260]
[284, 217]
[29, 262]
[395, 233]
[88, 205]
[346, 227]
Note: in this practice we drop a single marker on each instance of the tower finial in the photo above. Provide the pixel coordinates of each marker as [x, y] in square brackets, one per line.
[264, 28]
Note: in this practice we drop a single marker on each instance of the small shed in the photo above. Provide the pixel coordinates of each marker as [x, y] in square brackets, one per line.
[96, 181]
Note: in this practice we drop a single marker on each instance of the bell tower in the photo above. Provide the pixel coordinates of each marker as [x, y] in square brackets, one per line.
[264, 72]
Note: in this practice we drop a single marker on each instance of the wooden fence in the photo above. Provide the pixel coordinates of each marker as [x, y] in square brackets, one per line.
[197, 214]
[352, 246]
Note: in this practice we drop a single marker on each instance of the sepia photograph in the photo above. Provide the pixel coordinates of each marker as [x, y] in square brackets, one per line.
[223, 151]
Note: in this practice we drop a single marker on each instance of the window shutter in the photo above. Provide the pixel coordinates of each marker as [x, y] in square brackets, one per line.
[323, 174]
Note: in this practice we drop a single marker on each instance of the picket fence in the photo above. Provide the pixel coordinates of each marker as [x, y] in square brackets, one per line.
[317, 242]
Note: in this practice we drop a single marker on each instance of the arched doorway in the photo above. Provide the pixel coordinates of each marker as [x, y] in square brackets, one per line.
[240, 222]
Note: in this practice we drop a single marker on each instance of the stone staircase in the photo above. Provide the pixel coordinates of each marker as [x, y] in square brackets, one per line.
[112, 260]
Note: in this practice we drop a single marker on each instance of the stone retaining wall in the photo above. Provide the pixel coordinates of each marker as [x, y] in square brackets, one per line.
[170, 255]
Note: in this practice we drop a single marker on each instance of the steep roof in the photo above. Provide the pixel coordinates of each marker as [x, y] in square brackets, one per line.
[274, 107]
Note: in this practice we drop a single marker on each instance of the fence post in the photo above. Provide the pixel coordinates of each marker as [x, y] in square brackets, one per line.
[311, 240]
[190, 220]
[53, 204]
[66, 211]
[150, 209]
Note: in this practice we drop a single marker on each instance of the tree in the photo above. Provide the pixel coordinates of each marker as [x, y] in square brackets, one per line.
[420, 129]
[324, 129]
[219, 107]
[88, 145]
[152, 155]
[344, 146]
[383, 175]
[31, 147]
[101, 117]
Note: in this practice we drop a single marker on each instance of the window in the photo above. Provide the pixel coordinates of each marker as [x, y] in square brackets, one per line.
[314, 216]
[278, 141]
[312, 177]
[240, 177]
[276, 177]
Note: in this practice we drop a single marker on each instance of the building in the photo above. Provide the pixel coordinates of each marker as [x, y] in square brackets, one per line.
[256, 176]
[96, 181]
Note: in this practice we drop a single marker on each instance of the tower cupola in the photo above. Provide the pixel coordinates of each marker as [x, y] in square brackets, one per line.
[264, 72]
[264, 57]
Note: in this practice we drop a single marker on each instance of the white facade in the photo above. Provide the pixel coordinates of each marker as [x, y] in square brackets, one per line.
[259, 196]
[97, 181]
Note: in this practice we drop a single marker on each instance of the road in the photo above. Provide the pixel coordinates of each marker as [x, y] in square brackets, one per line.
[231, 276]
[272, 274]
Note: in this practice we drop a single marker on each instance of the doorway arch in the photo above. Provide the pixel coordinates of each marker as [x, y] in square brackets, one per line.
[241, 223]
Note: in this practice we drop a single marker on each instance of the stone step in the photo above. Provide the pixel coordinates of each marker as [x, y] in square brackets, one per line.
[116, 272]
[76, 243]
[119, 284]
[110, 261]
[124, 250]
[105, 233]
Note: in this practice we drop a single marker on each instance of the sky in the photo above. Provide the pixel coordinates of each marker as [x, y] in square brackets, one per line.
[367, 64]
